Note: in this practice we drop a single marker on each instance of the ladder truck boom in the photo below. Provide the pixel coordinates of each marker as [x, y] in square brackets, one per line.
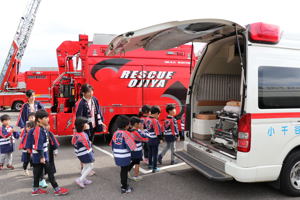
[10, 70]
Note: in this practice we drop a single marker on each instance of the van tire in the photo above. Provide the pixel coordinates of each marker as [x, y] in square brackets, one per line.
[17, 106]
[286, 185]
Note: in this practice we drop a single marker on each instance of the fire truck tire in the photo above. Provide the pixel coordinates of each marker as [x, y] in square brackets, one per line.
[290, 175]
[113, 126]
[17, 105]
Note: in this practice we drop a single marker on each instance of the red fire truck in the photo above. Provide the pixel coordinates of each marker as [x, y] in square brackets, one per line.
[122, 83]
[14, 99]
[41, 82]
[37, 80]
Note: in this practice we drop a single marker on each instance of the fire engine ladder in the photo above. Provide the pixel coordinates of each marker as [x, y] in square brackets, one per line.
[20, 41]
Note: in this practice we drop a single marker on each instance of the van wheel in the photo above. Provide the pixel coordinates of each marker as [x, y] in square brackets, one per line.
[290, 175]
[17, 106]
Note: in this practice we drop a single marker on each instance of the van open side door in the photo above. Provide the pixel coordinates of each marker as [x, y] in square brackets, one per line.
[172, 34]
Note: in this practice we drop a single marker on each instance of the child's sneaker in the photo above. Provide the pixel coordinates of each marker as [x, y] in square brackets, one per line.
[43, 184]
[61, 191]
[127, 190]
[159, 159]
[79, 183]
[38, 192]
[155, 170]
[87, 182]
[137, 178]
[10, 167]
[26, 172]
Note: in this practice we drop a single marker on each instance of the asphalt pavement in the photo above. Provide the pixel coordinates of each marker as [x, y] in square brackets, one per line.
[176, 182]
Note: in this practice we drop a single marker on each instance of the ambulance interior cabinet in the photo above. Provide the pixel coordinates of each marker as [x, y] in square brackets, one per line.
[202, 126]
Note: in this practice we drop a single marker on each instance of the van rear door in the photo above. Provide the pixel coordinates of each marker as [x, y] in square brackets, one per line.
[172, 34]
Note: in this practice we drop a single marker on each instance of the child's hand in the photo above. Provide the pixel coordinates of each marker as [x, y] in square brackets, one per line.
[43, 160]
[28, 150]
[104, 126]
[86, 126]
[55, 152]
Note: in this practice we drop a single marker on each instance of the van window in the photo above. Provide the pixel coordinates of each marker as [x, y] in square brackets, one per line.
[278, 87]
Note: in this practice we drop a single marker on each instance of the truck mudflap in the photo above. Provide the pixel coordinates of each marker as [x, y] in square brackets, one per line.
[204, 164]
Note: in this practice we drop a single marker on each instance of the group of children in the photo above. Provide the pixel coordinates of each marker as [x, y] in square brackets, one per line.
[36, 142]
[127, 141]
[134, 134]
[39, 146]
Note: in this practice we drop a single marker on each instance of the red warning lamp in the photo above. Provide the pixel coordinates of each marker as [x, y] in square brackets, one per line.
[264, 33]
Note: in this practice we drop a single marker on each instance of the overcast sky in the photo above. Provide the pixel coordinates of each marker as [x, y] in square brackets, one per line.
[60, 20]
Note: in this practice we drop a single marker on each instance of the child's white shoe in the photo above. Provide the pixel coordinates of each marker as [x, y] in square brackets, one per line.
[87, 182]
[26, 172]
[79, 183]
[137, 178]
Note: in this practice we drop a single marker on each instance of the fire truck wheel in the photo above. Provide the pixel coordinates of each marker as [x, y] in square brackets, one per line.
[17, 106]
[290, 175]
[113, 127]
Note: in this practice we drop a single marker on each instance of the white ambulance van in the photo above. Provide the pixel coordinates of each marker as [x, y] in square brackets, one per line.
[243, 103]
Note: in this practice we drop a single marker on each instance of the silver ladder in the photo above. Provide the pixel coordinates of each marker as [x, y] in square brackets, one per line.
[21, 38]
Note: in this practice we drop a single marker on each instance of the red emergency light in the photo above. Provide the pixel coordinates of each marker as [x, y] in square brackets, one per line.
[264, 33]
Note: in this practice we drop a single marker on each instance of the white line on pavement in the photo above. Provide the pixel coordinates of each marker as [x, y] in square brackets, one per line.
[103, 151]
[173, 166]
[141, 169]
[162, 168]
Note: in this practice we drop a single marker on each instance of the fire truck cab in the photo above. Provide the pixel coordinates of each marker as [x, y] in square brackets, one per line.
[243, 102]
[38, 79]
[122, 83]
